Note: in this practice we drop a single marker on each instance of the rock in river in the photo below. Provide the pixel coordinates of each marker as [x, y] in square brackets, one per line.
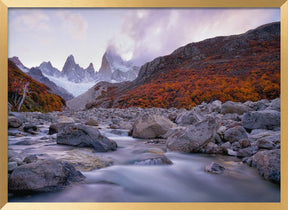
[84, 136]
[194, 137]
[14, 122]
[151, 126]
[43, 176]
[268, 164]
[215, 168]
[92, 122]
[152, 159]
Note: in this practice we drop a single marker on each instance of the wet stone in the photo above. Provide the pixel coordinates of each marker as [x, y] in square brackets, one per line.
[215, 168]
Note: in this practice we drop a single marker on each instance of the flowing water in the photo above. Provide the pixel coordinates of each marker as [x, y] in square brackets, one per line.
[183, 181]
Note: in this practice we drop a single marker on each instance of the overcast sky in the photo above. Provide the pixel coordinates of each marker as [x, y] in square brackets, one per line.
[139, 35]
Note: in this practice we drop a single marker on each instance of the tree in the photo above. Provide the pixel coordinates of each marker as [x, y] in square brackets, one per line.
[25, 90]
[17, 92]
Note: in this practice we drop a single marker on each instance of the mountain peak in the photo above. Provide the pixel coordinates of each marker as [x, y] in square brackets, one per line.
[114, 68]
[70, 58]
[48, 69]
[19, 64]
[46, 64]
[90, 68]
[16, 60]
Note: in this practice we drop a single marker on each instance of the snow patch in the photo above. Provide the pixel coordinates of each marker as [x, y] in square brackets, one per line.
[22, 68]
[75, 89]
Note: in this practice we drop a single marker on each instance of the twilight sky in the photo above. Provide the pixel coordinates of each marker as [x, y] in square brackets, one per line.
[139, 35]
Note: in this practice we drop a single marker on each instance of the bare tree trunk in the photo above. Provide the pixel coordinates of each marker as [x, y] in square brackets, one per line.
[23, 96]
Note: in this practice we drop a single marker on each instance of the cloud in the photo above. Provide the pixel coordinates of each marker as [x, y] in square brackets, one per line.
[32, 20]
[74, 23]
[148, 33]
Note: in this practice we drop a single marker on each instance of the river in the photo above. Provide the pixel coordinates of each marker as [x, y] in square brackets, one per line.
[130, 180]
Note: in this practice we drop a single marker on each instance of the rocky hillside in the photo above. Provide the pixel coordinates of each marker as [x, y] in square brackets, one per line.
[38, 97]
[80, 102]
[239, 68]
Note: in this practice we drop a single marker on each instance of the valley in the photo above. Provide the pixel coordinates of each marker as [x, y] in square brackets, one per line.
[201, 124]
[151, 165]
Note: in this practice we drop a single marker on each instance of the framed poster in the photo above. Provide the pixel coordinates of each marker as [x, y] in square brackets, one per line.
[235, 45]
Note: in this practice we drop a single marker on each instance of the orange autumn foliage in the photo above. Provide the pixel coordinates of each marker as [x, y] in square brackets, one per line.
[253, 75]
[39, 97]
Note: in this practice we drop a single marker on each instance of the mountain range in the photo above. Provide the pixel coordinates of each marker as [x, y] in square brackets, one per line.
[38, 75]
[238, 67]
[74, 80]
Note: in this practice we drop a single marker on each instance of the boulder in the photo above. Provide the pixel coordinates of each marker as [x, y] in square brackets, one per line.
[202, 108]
[85, 159]
[172, 131]
[188, 118]
[267, 163]
[84, 136]
[151, 126]
[43, 176]
[245, 143]
[217, 139]
[264, 143]
[234, 107]
[266, 135]
[235, 146]
[152, 159]
[225, 146]
[231, 152]
[19, 115]
[215, 168]
[267, 119]
[14, 157]
[247, 152]
[172, 116]
[30, 159]
[92, 122]
[194, 137]
[64, 119]
[26, 142]
[258, 105]
[30, 128]
[275, 105]
[14, 122]
[215, 106]
[125, 125]
[55, 127]
[221, 130]
[235, 134]
[231, 117]
[212, 148]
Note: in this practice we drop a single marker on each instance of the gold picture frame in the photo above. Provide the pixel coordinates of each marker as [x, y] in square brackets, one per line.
[6, 4]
